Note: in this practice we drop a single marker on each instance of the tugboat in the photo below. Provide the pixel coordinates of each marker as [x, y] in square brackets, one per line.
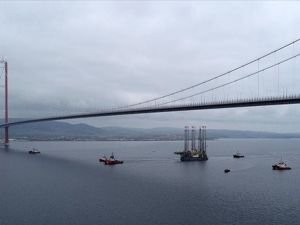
[110, 161]
[238, 155]
[34, 151]
[226, 170]
[281, 166]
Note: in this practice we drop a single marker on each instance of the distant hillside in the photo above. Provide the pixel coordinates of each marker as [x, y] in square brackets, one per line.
[66, 131]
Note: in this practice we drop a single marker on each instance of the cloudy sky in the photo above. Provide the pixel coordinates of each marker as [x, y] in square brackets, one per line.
[69, 57]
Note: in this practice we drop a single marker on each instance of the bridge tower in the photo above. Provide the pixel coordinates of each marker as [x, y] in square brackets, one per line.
[6, 138]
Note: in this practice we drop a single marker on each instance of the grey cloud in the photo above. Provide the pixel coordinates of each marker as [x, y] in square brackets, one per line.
[75, 57]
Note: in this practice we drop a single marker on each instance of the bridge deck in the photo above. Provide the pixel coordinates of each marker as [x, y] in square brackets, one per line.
[174, 108]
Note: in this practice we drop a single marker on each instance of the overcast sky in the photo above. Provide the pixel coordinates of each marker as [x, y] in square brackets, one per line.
[69, 57]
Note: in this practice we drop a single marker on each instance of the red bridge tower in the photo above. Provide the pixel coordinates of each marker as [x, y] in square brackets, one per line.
[6, 139]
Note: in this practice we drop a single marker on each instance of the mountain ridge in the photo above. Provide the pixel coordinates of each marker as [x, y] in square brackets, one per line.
[58, 130]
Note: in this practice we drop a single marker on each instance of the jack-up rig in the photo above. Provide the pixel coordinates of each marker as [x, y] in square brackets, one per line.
[194, 154]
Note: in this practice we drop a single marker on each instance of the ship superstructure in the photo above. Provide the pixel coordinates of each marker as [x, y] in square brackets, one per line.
[194, 153]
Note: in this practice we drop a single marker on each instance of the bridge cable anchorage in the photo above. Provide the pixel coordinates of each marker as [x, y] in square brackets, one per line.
[213, 78]
[234, 81]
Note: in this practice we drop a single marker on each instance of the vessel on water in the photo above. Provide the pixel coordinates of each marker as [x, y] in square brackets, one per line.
[226, 170]
[111, 160]
[34, 151]
[194, 154]
[238, 155]
[281, 166]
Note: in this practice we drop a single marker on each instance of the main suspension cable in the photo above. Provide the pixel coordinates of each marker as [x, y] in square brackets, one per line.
[234, 81]
[214, 78]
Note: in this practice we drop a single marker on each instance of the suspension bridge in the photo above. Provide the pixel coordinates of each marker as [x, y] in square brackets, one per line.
[258, 82]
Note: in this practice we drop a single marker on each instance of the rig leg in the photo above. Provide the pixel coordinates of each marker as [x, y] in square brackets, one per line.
[6, 138]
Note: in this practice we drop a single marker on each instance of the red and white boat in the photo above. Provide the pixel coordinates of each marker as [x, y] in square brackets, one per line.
[110, 161]
[281, 166]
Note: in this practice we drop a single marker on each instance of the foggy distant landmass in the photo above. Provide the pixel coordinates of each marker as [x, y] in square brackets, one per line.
[67, 131]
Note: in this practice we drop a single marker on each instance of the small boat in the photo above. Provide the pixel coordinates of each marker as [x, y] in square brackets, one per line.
[34, 151]
[226, 170]
[238, 155]
[281, 166]
[111, 160]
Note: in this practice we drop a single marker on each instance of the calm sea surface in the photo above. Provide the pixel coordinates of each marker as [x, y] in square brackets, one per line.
[66, 184]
